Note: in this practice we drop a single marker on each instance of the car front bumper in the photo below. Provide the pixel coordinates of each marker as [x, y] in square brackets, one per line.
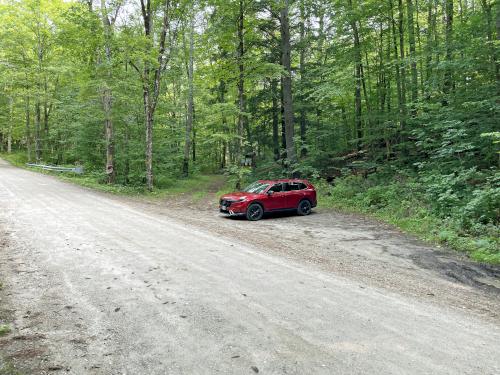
[235, 209]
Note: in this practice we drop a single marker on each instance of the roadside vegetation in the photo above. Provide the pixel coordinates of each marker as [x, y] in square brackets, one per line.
[390, 107]
[7, 368]
[197, 186]
[4, 329]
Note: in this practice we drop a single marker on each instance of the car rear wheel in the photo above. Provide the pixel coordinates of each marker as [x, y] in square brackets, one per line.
[304, 207]
[255, 212]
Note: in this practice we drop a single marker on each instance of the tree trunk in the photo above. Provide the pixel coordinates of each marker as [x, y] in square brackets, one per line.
[448, 83]
[282, 118]
[40, 56]
[431, 44]
[489, 22]
[28, 131]
[303, 119]
[151, 86]
[413, 56]
[107, 99]
[108, 126]
[47, 146]
[241, 79]
[287, 84]
[149, 138]
[381, 85]
[275, 119]
[222, 100]
[357, 78]
[193, 143]
[126, 150]
[397, 64]
[403, 69]
[46, 113]
[419, 42]
[190, 106]
[497, 63]
[38, 142]
[11, 119]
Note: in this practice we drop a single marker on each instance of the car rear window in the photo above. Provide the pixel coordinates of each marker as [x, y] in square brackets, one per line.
[291, 186]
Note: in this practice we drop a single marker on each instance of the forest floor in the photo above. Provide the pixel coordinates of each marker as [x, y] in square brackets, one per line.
[106, 284]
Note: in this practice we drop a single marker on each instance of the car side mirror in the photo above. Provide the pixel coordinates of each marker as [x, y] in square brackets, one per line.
[270, 192]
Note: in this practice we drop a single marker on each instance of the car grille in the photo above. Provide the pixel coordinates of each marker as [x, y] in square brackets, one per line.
[225, 202]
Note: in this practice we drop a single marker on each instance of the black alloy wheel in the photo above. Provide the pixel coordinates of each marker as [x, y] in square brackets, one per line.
[255, 212]
[304, 208]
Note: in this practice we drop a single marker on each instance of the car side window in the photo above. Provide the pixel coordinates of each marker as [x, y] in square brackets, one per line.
[276, 188]
[293, 186]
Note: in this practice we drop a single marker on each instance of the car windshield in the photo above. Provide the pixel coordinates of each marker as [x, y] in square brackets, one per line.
[256, 187]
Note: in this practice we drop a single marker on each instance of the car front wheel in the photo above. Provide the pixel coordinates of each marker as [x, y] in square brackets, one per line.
[304, 208]
[255, 212]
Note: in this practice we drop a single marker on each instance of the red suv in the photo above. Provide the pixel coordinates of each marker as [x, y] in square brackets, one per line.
[270, 195]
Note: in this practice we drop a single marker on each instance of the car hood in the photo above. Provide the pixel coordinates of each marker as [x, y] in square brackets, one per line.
[238, 195]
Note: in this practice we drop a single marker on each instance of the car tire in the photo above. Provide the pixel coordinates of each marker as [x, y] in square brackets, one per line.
[255, 212]
[304, 207]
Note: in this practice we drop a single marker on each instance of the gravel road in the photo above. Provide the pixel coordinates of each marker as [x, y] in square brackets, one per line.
[99, 284]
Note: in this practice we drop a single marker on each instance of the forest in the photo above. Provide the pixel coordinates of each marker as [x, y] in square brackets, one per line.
[390, 106]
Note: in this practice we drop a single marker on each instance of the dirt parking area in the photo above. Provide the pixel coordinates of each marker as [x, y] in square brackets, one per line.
[355, 247]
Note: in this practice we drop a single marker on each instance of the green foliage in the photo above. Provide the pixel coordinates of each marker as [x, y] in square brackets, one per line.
[238, 175]
[7, 368]
[4, 329]
[18, 159]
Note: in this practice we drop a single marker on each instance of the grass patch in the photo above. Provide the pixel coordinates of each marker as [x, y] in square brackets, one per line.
[197, 185]
[7, 368]
[19, 159]
[199, 195]
[4, 329]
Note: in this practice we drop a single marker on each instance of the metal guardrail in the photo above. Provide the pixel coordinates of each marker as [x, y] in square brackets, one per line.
[77, 169]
